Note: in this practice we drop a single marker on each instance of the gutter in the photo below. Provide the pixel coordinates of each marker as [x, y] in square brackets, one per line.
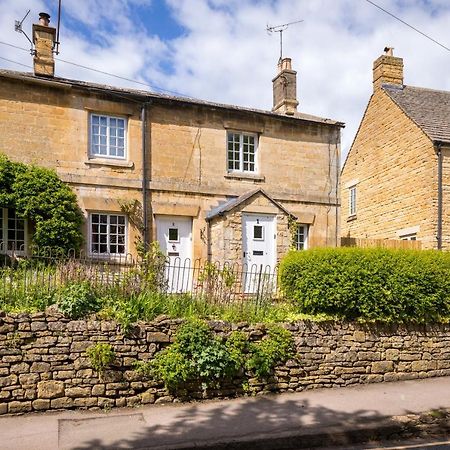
[438, 147]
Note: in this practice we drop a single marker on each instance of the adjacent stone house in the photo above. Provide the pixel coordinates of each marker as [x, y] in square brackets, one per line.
[396, 179]
[205, 180]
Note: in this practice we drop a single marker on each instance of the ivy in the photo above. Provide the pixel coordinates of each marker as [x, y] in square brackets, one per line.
[38, 194]
[293, 226]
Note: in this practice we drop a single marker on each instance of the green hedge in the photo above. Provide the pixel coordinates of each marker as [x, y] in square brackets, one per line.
[369, 284]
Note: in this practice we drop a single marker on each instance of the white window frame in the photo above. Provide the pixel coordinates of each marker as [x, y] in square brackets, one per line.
[409, 237]
[90, 240]
[108, 128]
[241, 152]
[4, 236]
[352, 201]
[177, 240]
[262, 232]
[305, 228]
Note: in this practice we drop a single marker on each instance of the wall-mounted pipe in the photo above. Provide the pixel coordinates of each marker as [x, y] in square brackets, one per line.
[145, 239]
[439, 206]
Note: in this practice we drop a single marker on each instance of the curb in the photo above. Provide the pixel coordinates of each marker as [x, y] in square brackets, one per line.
[432, 424]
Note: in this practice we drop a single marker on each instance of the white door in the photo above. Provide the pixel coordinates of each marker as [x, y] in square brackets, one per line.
[174, 234]
[259, 249]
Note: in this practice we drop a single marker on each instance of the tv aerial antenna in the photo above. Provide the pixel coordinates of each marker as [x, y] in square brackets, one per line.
[280, 29]
[56, 44]
[18, 26]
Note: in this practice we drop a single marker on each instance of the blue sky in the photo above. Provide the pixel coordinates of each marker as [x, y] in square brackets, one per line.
[219, 50]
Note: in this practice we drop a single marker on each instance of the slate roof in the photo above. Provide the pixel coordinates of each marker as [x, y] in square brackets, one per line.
[234, 202]
[148, 96]
[428, 108]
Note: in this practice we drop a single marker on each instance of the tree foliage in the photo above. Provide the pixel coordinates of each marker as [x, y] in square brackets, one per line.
[37, 194]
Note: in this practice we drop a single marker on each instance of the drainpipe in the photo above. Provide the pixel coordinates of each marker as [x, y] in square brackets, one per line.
[144, 176]
[338, 190]
[439, 211]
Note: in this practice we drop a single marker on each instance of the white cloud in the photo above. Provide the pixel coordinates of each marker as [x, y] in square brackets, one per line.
[226, 55]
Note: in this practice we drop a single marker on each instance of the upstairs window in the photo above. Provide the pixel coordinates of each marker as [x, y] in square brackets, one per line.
[241, 152]
[12, 232]
[352, 201]
[107, 138]
[302, 237]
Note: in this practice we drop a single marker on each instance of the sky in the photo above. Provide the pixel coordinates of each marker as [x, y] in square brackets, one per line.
[220, 50]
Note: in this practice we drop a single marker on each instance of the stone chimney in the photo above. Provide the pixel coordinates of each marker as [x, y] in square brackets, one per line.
[387, 69]
[44, 38]
[285, 89]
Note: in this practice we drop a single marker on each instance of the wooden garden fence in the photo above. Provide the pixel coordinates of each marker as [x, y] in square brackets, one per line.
[381, 243]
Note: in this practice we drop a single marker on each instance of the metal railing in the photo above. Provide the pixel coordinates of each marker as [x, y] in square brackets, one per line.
[43, 271]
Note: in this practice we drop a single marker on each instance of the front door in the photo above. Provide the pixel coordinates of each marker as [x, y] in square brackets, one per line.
[259, 248]
[174, 234]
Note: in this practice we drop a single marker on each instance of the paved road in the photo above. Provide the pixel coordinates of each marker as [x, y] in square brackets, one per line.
[252, 423]
[416, 444]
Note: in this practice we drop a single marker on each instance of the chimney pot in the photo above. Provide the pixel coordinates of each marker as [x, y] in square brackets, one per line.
[44, 19]
[284, 64]
[389, 51]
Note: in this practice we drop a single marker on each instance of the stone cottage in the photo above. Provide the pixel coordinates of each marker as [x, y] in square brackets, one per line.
[206, 180]
[396, 179]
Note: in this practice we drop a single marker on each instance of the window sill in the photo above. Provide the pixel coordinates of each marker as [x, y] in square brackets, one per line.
[245, 176]
[351, 218]
[109, 162]
[120, 259]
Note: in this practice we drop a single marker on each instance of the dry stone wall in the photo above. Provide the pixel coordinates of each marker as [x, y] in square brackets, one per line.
[43, 361]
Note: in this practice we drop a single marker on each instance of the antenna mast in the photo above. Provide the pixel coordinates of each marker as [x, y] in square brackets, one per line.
[56, 44]
[280, 29]
[19, 29]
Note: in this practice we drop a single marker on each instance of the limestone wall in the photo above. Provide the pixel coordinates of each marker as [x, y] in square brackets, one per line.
[393, 165]
[48, 124]
[44, 364]
[226, 232]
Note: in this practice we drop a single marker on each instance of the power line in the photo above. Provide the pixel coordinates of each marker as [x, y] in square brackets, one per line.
[15, 62]
[408, 25]
[121, 78]
[100, 71]
[15, 46]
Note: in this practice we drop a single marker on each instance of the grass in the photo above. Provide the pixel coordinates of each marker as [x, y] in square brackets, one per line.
[32, 286]
[148, 306]
[23, 293]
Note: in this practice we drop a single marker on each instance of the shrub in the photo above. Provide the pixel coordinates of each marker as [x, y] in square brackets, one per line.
[196, 357]
[369, 284]
[77, 300]
[276, 348]
[38, 194]
[101, 355]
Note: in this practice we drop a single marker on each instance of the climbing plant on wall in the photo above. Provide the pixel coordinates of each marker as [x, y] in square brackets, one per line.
[293, 226]
[37, 194]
